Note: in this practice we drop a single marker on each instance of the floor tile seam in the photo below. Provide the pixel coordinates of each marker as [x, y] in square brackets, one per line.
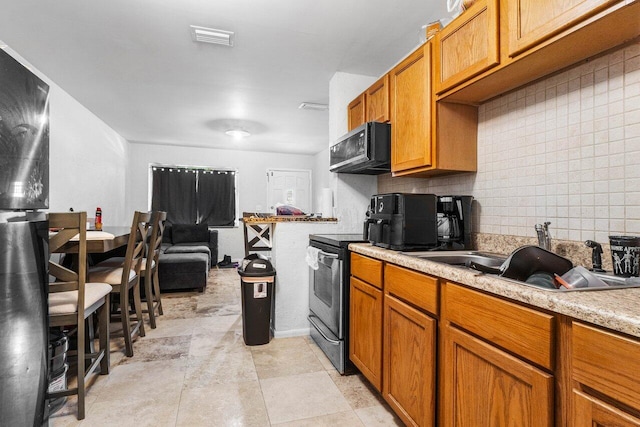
[132, 364]
[116, 401]
[284, 377]
[186, 385]
[259, 381]
[177, 416]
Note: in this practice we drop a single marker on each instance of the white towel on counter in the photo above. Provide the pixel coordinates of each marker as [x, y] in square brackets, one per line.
[312, 257]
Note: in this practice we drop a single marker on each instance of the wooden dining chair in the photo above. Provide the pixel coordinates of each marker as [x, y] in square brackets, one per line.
[124, 278]
[150, 267]
[72, 300]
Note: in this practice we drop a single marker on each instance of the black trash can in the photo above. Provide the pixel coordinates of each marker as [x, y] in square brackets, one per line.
[257, 279]
[58, 367]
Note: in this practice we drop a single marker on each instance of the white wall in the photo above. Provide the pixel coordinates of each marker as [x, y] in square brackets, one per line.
[252, 181]
[565, 149]
[292, 274]
[351, 193]
[87, 158]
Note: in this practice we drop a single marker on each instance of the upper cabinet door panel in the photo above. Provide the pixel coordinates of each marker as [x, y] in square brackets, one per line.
[533, 21]
[378, 100]
[411, 111]
[468, 46]
[356, 112]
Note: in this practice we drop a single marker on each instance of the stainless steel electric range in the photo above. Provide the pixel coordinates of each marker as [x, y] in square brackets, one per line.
[329, 296]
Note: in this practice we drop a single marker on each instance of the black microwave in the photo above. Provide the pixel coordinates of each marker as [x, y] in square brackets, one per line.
[365, 150]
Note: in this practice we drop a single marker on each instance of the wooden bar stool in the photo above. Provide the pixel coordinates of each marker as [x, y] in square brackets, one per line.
[150, 267]
[258, 237]
[124, 278]
[72, 301]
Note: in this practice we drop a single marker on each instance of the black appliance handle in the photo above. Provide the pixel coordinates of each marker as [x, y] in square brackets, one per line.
[365, 232]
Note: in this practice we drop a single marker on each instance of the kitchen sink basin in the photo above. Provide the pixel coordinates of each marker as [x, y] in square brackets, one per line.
[461, 258]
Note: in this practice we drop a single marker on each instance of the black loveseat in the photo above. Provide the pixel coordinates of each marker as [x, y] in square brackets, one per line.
[188, 252]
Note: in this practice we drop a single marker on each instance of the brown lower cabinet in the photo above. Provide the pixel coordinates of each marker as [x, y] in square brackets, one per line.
[605, 367]
[489, 351]
[592, 412]
[409, 362]
[447, 355]
[485, 386]
[365, 342]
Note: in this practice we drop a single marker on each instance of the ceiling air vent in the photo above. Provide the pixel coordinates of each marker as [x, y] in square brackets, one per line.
[211, 35]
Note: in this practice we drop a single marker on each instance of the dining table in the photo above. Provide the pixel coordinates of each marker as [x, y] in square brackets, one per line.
[99, 242]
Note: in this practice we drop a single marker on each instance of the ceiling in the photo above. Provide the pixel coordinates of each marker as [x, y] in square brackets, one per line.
[134, 64]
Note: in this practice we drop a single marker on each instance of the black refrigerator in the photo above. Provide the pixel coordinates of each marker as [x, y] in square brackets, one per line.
[24, 192]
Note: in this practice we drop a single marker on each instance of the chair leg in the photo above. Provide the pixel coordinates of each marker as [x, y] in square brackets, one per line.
[148, 291]
[80, 338]
[126, 321]
[103, 330]
[156, 286]
[137, 304]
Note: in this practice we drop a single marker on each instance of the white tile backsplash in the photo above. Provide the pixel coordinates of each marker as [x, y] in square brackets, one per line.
[565, 149]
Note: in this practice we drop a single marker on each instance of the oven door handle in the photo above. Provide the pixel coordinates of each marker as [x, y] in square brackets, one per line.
[323, 257]
[319, 329]
[328, 255]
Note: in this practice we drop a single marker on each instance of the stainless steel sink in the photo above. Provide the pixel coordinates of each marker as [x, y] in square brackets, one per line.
[460, 259]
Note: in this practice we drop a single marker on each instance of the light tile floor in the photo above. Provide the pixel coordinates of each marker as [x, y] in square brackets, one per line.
[195, 370]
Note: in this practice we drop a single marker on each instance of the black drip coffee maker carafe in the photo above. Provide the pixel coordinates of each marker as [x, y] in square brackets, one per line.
[454, 222]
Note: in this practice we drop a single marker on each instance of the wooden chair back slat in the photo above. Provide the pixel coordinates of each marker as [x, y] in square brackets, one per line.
[61, 237]
[135, 246]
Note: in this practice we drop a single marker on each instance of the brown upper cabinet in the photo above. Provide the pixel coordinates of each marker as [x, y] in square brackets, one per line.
[378, 100]
[428, 138]
[356, 112]
[411, 111]
[497, 46]
[468, 46]
[533, 21]
[372, 105]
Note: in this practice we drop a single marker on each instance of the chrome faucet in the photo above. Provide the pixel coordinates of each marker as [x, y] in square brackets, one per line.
[544, 238]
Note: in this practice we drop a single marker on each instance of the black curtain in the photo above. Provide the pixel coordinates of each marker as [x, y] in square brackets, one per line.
[216, 198]
[174, 192]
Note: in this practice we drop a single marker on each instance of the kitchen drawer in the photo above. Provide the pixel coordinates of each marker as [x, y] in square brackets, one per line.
[367, 269]
[525, 332]
[413, 287]
[606, 361]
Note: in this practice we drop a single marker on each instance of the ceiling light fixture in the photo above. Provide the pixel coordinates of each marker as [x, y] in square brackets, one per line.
[313, 106]
[211, 35]
[238, 133]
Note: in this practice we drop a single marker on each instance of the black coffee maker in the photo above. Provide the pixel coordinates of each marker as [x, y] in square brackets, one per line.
[454, 222]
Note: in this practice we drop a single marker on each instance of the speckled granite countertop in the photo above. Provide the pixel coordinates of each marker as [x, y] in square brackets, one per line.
[617, 309]
[285, 218]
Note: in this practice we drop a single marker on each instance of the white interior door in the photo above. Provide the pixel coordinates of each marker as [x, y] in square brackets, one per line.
[289, 187]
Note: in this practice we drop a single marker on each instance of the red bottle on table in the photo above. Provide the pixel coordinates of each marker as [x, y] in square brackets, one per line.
[98, 219]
